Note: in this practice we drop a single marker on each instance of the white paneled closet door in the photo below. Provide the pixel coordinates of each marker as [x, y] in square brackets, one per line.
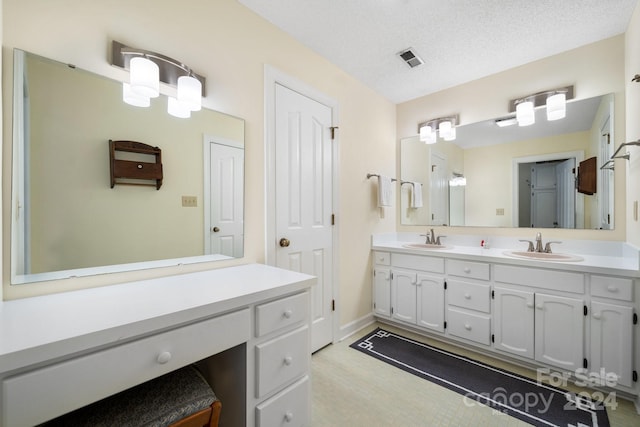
[304, 195]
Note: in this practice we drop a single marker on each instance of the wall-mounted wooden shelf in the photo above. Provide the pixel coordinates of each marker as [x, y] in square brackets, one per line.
[134, 169]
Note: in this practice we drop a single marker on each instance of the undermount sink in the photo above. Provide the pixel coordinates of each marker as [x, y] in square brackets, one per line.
[544, 256]
[425, 246]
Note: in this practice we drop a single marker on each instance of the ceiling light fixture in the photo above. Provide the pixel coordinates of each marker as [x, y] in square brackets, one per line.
[555, 101]
[445, 126]
[147, 69]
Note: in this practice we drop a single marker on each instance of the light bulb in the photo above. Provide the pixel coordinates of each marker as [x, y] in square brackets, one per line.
[132, 98]
[425, 133]
[177, 109]
[556, 106]
[190, 92]
[525, 114]
[144, 77]
[444, 128]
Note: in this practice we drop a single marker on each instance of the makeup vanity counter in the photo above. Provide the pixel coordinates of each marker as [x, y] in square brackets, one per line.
[248, 324]
[575, 317]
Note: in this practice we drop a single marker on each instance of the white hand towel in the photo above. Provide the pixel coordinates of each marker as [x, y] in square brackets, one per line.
[385, 191]
[416, 195]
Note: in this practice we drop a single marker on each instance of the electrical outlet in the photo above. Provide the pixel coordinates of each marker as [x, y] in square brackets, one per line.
[499, 211]
[189, 201]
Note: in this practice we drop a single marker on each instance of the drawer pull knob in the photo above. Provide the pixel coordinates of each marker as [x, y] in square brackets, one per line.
[539, 306]
[612, 288]
[467, 326]
[287, 314]
[597, 316]
[467, 270]
[530, 304]
[467, 296]
[164, 357]
[288, 417]
[288, 360]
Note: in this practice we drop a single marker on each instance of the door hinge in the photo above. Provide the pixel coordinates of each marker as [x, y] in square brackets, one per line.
[585, 310]
[333, 305]
[585, 363]
[493, 338]
[635, 376]
[333, 219]
[635, 318]
[333, 132]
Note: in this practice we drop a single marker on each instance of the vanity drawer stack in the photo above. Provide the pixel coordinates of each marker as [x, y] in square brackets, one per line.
[469, 300]
[282, 361]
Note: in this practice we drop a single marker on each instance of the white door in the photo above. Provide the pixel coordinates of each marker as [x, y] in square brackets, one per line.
[382, 291]
[303, 201]
[439, 189]
[225, 229]
[559, 331]
[403, 296]
[611, 340]
[430, 299]
[513, 321]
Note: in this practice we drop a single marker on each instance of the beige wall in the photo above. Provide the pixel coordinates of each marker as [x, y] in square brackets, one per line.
[230, 45]
[632, 67]
[595, 69]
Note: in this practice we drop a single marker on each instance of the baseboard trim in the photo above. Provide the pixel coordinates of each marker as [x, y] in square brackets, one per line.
[353, 327]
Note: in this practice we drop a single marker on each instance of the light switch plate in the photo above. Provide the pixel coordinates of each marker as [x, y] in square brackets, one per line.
[189, 201]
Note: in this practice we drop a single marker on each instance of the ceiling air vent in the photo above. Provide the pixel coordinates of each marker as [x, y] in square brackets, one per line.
[410, 58]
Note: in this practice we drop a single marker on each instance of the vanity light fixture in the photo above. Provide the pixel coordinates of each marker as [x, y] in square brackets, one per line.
[445, 127]
[147, 69]
[555, 101]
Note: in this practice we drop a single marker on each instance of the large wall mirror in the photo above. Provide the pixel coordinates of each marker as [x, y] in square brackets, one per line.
[493, 176]
[67, 220]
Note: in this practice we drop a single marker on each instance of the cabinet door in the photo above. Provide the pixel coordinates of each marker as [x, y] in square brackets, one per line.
[430, 299]
[611, 340]
[559, 331]
[403, 296]
[513, 321]
[382, 291]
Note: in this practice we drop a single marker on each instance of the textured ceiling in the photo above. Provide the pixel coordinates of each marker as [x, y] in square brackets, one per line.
[459, 40]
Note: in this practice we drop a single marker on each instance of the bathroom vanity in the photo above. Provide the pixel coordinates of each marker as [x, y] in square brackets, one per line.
[578, 316]
[247, 327]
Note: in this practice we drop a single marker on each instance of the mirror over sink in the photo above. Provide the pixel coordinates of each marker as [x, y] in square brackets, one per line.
[69, 220]
[515, 176]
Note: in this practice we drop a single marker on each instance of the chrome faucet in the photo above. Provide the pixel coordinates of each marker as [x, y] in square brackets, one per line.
[538, 242]
[538, 246]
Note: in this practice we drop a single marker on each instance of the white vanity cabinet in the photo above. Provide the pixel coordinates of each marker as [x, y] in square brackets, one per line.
[417, 290]
[532, 320]
[382, 284]
[247, 327]
[612, 322]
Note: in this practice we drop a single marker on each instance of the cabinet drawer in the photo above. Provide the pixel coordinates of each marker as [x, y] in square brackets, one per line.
[63, 387]
[382, 258]
[612, 287]
[469, 295]
[539, 278]
[418, 262]
[281, 313]
[474, 270]
[474, 327]
[289, 407]
[281, 360]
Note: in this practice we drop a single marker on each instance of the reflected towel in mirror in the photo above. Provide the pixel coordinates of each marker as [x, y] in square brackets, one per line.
[416, 195]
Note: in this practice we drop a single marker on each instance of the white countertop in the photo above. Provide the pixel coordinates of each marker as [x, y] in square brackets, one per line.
[37, 329]
[604, 257]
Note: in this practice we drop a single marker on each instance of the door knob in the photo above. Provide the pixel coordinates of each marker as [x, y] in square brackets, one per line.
[215, 229]
[284, 242]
